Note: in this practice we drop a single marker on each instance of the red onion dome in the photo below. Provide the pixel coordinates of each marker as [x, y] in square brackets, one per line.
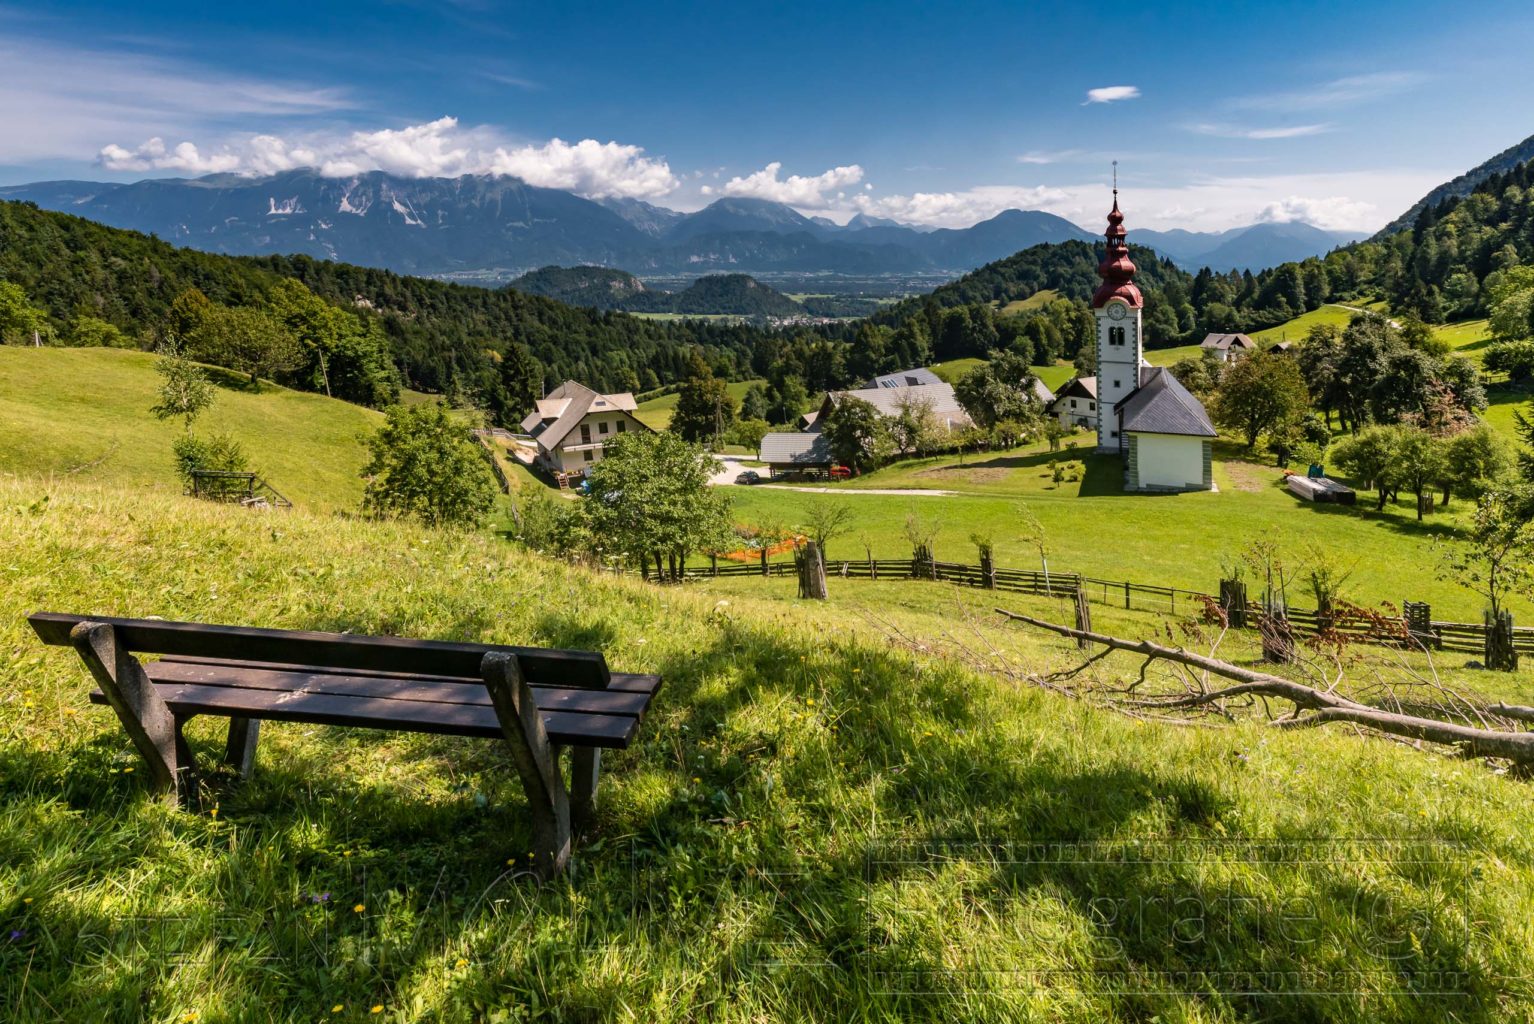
[1117, 270]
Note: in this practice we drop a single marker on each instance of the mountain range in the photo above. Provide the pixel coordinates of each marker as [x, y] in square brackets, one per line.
[490, 229]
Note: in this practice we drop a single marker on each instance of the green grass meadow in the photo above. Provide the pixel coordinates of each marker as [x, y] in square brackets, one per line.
[816, 824]
[84, 413]
[657, 411]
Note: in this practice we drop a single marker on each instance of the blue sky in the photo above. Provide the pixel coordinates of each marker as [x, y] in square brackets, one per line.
[939, 114]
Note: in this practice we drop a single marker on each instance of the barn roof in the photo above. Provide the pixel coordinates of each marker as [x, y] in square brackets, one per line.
[795, 449]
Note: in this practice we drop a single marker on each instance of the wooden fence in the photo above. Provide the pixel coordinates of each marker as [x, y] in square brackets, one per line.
[1360, 626]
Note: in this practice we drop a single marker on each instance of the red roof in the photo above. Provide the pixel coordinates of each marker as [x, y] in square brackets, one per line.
[1117, 270]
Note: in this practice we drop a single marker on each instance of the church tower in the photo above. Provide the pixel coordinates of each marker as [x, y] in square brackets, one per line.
[1117, 304]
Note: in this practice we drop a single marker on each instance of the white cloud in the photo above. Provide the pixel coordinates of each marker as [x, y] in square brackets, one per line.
[59, 100]
[1046, 156]
[1336, 93]
[153, 156]
[1226, 131]
[1112, 93]
[819, 192]
[439, 148]
[956, 209]
[1332, 212]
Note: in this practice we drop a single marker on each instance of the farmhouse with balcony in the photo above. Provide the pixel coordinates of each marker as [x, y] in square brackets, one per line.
[572, 425]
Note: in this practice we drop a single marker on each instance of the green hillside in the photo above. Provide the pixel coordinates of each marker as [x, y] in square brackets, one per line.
[656, 412]
[811, 827]
[84, 413]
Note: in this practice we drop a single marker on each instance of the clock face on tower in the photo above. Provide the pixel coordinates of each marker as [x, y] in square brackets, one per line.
[1117, 311]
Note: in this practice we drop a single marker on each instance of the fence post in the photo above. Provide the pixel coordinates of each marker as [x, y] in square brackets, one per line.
[873, 568]
[764, 561]
[987, 572]
[1083, 614]
[1126, 595]
[812, 572]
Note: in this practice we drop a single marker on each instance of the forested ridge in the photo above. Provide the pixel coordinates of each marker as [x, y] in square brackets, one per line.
[444, 337]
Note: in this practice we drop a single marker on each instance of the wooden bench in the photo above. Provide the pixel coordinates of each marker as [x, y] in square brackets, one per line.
[537, 700]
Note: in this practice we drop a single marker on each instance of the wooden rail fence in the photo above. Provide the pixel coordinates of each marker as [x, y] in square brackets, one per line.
[1468, 637]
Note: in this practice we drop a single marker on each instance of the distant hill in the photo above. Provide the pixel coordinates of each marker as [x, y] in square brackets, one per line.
[490, 229]
[603, 288]
[1464, 184]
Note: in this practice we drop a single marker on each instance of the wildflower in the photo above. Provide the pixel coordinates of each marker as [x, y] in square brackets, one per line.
[70, 711]
[346, 853]
[338, 1008]
[695, 779]
[461, 963]
[377, 1009]
[810, 702]
[359, 908]
[127, 769]
[927, 733]
[17, 934]
[213, 813]
[27, 900]
[188, 1017]
[323, 897]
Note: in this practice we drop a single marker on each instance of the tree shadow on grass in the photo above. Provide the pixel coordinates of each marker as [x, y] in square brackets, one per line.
[837, 829]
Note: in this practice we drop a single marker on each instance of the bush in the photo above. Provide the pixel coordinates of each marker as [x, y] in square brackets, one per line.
[217, 453]
[424, 466]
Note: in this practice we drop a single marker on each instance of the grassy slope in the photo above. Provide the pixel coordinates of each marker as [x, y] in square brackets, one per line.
[742, 866]
[73, 407]
[657, 411]
[1175, 540]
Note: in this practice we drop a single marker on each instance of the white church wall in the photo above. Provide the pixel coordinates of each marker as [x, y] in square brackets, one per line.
[1169, 461]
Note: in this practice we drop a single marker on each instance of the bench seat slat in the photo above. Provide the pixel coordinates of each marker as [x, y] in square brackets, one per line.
[563, 727]
[335, 650]
[626, 682]
[416, 689]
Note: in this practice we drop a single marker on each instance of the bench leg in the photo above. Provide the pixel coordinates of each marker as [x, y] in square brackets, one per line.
[240, 749]
[585, 767]
[145, 717]
[535, 761]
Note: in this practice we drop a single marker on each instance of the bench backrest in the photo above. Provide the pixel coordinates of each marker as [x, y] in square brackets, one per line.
[539, 665]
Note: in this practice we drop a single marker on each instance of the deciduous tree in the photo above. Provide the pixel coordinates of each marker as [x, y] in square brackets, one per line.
[424, 466]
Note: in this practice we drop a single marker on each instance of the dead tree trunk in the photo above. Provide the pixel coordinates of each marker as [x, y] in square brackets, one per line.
[1083, 615]
[812, 572]
[1312, 706]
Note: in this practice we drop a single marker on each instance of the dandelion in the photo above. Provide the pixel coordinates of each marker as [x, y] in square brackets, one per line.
[213, 813]
[695, 779]
[27, 900]
[359, 908]
[377, 1009]
[461, 963]
[810, 702]
[188, 1017]
[128, 769]
[70, 711]
[338, 1008]
[346, 853]
[927, 733]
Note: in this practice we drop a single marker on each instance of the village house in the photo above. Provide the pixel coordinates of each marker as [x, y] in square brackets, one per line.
[1228, 347]
[572, 424]
[1076, 404]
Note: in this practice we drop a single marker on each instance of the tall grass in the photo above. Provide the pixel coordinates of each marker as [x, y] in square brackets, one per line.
[813, 826]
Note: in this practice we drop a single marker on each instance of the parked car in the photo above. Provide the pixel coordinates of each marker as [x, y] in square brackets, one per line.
[750, 476]
[841, 473]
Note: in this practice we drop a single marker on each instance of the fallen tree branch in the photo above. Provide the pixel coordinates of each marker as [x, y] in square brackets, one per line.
[1318, 707]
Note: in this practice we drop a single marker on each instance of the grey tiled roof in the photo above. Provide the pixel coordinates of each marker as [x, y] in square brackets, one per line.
[906, 378]
[799, 449]
[1161, 405]
[1226, 341]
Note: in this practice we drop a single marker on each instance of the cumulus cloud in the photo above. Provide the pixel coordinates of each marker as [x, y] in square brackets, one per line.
[1332, 212]
[1226, 131]
[819, 192]
[439, 148]
[1112, 94]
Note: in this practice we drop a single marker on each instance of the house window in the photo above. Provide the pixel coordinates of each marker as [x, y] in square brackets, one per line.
[585, 433]
[602, 427]
[622, 426]
[587, 455]
[1115, 383]
[1091, 406]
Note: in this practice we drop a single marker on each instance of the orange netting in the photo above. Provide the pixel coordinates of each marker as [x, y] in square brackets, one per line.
[755, 554]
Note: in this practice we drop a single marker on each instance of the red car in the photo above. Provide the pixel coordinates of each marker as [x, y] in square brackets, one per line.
[841, 473]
